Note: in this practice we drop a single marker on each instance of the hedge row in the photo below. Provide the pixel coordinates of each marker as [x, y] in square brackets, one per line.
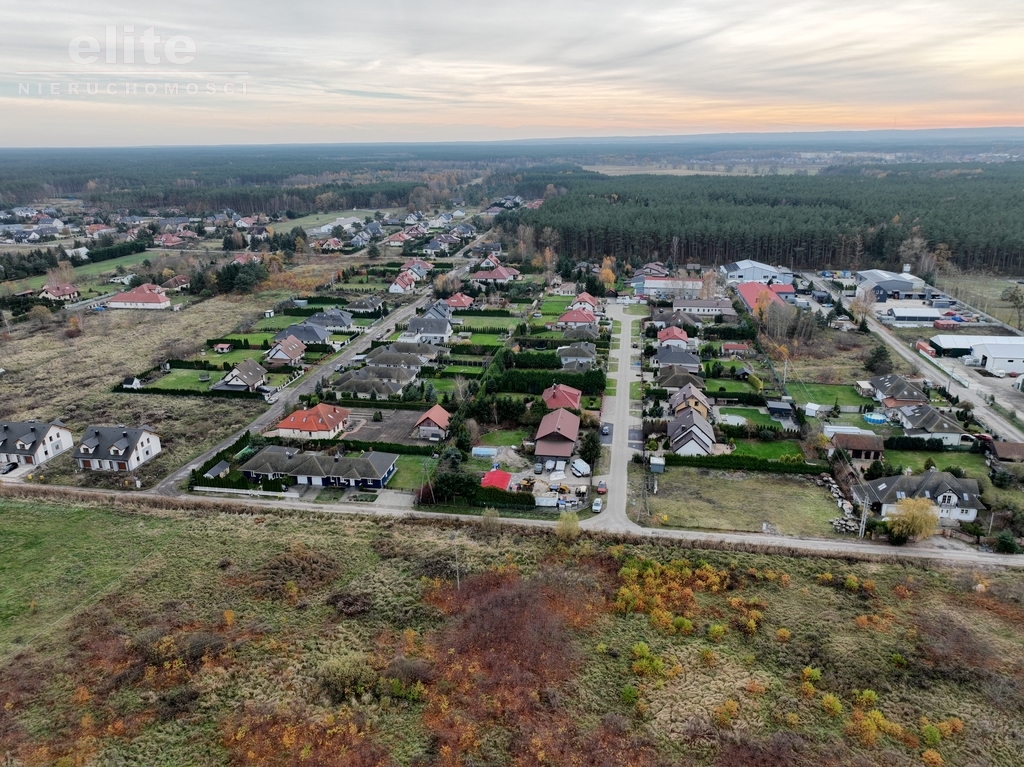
[488, 496]
[483, 313]
[914, 443]
[733, 431]
[463, 373]
[118, 389]
[381, 404]
[388, 447]
[323, 300]
[742, 463]
[116, 251]
[225, 454]
[744, 398]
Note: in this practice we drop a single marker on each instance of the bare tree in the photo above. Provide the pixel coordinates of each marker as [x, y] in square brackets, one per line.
[460, 387]
[62, 274]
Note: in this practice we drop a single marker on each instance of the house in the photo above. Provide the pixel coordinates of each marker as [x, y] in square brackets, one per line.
[689, 396]
[733, 349]
[754, 271]
[562, 396]
[691, 434]
[116, 448]
[894, 391]
[31, 443]
[673, 336]
[404, 283]
[439, 310]
[320, 422]
[287, 351]
[424, 353]
[928, 422]
[367, 305]
[333, 320]
[584, 301]
[60, 293]
[387, 359]
[861, 447]
[146, 296]
[556, 435]
[1007, 452]
[578, 354]
[398, 239]
[497, 478]
[131, 382]
[416, 272]
[223, 348]
[673, 379]
[501, 275]
[371, 469]
[486, 249]
[247, 375]
[752, 292]
[178, 283]
[428, 330]
[957, 499]
[435, 247]
[307, 333]
[786, 292]
[670, 318]
[459, 301]
[424, 266]
[360, 239]
[582, 333]
[676, 357]
[491, 261]
[363, 384]
[218, 471]
[433, 424]
[576, 317]
[246, 258]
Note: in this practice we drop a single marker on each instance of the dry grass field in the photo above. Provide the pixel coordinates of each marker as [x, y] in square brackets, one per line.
[833, 357]
[982, 291]
[204, 639]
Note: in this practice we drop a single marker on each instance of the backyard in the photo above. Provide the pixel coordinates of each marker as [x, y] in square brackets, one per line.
[750, 414]
[826, 394]
[772, 451]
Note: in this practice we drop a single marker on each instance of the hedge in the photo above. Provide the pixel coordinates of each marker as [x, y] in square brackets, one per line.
[381, 404]
[535, 381]
[118, 389]
[742, 463]
[116, 251]
[484, 313]
[744, 398]
[488, 496]
[733, 431]
[544, 360]
[351, 445]
[323, 300]
[914, 443]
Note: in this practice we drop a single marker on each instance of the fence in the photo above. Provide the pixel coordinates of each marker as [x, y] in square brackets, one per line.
[283, 494]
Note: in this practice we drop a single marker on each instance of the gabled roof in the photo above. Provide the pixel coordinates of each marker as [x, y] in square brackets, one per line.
[896, 387]
[459, 301]
[690, 420]
[496, 478]
[250, 372]
[561, 424]
[577, 316]
[686, 392]
[322, 418]
[585, 298]
[290, 347]
[109, 442]
[562, 396]
[672, 333]
[670, 376]
[404, 280]
[1008, 451]
[578, 350]
[498, 273]
[438, 415]
[178, 281]
[858, 441]
[928, 419]
[750, 292]
[60, 291]
[25, 432]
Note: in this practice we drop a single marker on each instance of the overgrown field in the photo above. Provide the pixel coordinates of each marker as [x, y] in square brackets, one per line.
[209, 639]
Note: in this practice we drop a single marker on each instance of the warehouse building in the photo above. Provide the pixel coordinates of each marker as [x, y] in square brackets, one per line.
[947, 345]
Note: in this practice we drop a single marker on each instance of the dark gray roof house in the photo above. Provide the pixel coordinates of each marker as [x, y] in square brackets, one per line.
[308, 334]
[116, 448]
[895, 391]
[395, 359]
[957, 499]
[673, 355]
[335, 320]
[672, 377]
[365, 385]
[32, 442]
[426, 352]
[366, 305]
[929, 423]
[370, 469]
[247, 375]
[439, 310]
[582, 333]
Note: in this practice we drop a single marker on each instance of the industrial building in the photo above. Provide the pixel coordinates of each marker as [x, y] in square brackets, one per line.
[948, 345]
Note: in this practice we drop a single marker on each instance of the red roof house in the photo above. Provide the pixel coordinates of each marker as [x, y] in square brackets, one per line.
[146, 296]
[459, 301]
[750, 292]
[673, 336]
[560, 395]
[576, 317]
[434, 423]
[584, 301]
[557, 434]
[497, 478]
[320, 422]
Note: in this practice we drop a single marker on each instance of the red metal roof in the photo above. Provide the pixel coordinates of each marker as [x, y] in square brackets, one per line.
[496, 478]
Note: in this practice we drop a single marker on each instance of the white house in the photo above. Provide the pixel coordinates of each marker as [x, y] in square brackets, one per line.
[30, 443]
[957, 499]
[146, 296]
[116, 448]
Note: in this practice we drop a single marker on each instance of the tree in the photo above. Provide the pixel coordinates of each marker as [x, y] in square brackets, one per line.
[568, 527]
[913, 518]
[373, 251]
[607, 277]
[590, 449]
[1015, 296]
[879, 361]
[40, 314]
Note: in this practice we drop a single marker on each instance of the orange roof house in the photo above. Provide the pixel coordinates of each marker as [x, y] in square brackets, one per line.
[320, 422]
[557, 434]
[562, 396]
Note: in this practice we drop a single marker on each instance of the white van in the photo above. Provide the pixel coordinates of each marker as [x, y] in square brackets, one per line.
[581, 468]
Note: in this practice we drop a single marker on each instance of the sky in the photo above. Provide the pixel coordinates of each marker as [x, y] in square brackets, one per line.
[444, 70]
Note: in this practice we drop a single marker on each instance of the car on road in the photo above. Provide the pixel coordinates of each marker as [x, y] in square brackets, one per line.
[602, 487]
[596, 505]
[606, 430]
[636, 346]
[7, 468]
[538, 468]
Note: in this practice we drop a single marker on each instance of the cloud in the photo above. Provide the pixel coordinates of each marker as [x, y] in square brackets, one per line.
[456, 70]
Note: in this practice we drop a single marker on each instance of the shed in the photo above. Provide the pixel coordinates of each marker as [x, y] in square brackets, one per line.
[657, 464]
[780, 409]
[221, 469]
[497, 478]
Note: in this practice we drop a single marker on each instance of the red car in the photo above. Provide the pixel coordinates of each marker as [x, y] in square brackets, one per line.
[602, 488]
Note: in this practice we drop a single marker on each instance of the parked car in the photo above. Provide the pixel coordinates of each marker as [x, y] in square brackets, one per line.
[7, 468]
[1013, 374]
[549, 465]
[596, 505]
[580, 468]
[538, 468]
[605, 430]
[602, 487]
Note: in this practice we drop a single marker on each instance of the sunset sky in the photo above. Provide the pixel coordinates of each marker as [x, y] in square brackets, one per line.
[449, 71]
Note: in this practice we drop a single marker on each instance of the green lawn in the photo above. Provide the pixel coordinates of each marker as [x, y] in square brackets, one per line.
[490, 339]
[609, 388]
[363, 322]
[187, 379]
[409, 474]
[972, 463]
[634, 390]
[824, 394]
[715, 385]
[275, 323]
[488, 322]
[771, 450]
[751, 414]
[470, 370]
[87, 275]
[503, 438]
[442, 384]
[638, 310]
[233, 357]
[555, 306]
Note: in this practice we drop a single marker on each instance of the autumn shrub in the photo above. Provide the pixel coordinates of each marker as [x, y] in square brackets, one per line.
[783, 635]
[811, 674]
[347, 676]
[716, 632]
[931, 757]
[490, 521]
[349, 603]
[725, 713]
[708, 658]
[683, 625]
[568, 526]
[851, 583]
[646, 663]
[807, 690]
[865, 698]
[825, 579]
[831, 705]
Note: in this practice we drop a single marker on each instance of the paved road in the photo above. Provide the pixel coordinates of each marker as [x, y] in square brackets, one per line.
[614, 517]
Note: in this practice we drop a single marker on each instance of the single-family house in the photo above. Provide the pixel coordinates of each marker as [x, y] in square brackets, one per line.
[582, 333]
[223, 348]
[247, 375]
[556, 435]
[1007, 452]
[501, 275]
[424, 353]
[957, 500]
[425, 266]
[673, 336]
[928, 422]
[427, 330]
[439, 310]
[308, 333]
[576, 317]
[286, 352]
[673, 378]
[691, 434]
[145, 296]
[383, 358]
[676, 357]
[366, 305]
[62, 293]
[362, 384]
[577, 354]
[404, 283]
[320, 422]
[734, 349]
[433, 424]
[334, 320]
[177, 283]
[860, 447]
[370, 469]
[459, 302]
[689, 396]
[894, 391]
[116, 448]
[31, 443]
[586, 302]
[562, 396]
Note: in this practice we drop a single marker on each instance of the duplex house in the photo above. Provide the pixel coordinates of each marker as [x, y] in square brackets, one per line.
[691, 434]
[372, 469]
[247, 375]
[557, 435]
[689, 397]
[321, 422]
[958, 500]
[116, 448]
[433, 424]
[31, 443]
[928, 422]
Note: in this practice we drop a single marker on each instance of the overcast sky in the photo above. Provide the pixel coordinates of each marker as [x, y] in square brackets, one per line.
[446, 70]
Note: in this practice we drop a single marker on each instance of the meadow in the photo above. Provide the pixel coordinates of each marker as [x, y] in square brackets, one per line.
[208, 639]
